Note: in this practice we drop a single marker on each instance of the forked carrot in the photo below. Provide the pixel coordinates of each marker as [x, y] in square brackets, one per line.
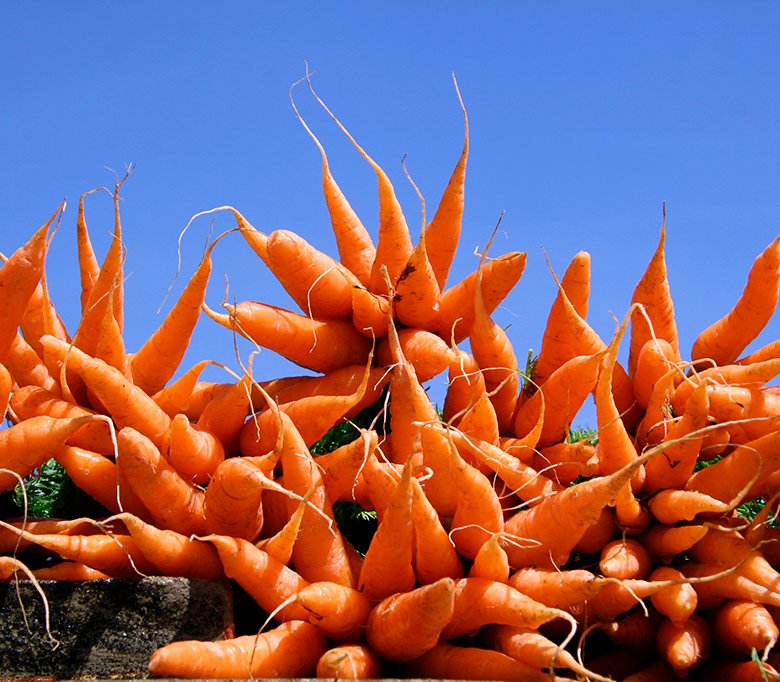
[288, 651]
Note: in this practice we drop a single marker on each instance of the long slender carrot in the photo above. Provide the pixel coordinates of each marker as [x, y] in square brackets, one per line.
[19, 276]
[288, 651]
[89, 268]
[724, 340]
[318, 345]
[41, 317]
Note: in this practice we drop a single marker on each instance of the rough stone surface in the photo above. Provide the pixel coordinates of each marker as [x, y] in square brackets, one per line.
[106, 628]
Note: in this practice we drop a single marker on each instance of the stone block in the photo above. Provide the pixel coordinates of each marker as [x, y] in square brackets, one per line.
[106, 628]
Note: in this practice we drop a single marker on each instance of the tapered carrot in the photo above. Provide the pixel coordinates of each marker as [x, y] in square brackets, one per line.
[665, 542]
[19, 276]
[110, 346]
[465, 385]
[28, 368]
[69, 570]
[716, 585]
[443, 232]
[224, 415]
[349, 662]
[193, 452]
[288, 651]
[416, 297]
[435, 556]
[684, 647]
[724, 340]
[756, 408]
[445, 661]
[652, 292]
[28, 444]
[564, 392]
[655, 358]
[456, 309]
[491, 561]
[562, 589]
[740, 626]
[127, 404]
[341, 466]
[187, 394]
[356, 249]
[428, 353]
[156, 361]
[41, 317]
[279, 546]
[394, 245]
[173, 502]
[405, 625]
[599, 534]
[320, 286]
[564, 462]
[388, 565]
[625, 558]
[369, 313]
[677, 602]
[672, 506]
[233, 502]
[654, 426]
[89, 268]
[318, 345]
[98, 477]
[768, 352]
[480, 421]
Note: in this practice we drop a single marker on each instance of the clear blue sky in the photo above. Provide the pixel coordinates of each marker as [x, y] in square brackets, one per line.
[584, 118]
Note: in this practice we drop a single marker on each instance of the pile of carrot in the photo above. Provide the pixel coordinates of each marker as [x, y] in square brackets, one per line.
[505, 549]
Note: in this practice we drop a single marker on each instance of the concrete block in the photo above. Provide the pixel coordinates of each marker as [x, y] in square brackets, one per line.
[106, 628]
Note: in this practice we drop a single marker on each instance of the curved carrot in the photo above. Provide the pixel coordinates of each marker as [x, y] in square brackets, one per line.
[428, 353]
[318, 345]
[194, 452]
[288, 651]
[664, 542]
[28, 368]
[725, 339]
[233, 502]
[625, 558]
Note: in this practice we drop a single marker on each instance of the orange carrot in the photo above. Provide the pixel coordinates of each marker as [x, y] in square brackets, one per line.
[233, 501]
[653, 293]
[405, 625]
[684, 647]
[224, 415]
[288, 651]
[740, 626]
[6, 384]
[174, 503]
[724, 340]
[677, 602]
[625, 558]
[69, 570]
[491, 561]
[28, 368]
[664, 542]
[89, 269]
[318, 345]
[564, 462]
[599, 534]
[770, 351]
[193, 452]
[19, 276]
[341, 466]
[369, 313]
[416, 297]
[672, 506]
[654, 360]
[349, 662]
[465, 385]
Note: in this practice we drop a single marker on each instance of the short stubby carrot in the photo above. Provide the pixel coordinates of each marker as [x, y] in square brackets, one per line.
[350, 662]
[288, 651]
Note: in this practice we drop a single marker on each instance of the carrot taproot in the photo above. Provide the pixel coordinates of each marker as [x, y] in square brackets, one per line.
[677, 602]
[28, 368]
[405, 625]
[175, 398]
[664, 542]
[456, 307]
[715, 584]
[223, 416]
[625, 558]
[599, 534]
[670, 506]
[349, 662]
[491, 561]
[319, 285]
[659, 412]
[427, 352]
[280, 545]
[319, 345]
[6, 384]
[770, 351]
[557, 588]
[355, 247]
[233, 503]
[724, 340]
[654, 360]
[481, 421]
[173, 502]
[656, 319]
[756, 409]
[194, 452]
[28, 444]
[69, 570]
[465, 385]
[740, 626]
[575, 287]
[290, 650]
[564, 462]
[416, 291]
[370, 313]
[685, 646]
[110, 345]
[11, 541]
[446, 661]
[341, 466]
[388, 566]
[127, 404]
[443, 232]
[19, 276]
[89, 268]
[41, 317]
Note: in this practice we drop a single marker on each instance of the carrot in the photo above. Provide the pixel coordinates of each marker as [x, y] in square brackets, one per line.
[456, 307]
[288, 651]
[233, 500]
[369, 313]
[675, 465]
[175, 397]
[625, 558]
[318, 345]
[757, 409]
[556, 588]
[110, 346]
[564, 462]
[491, 561]
[740, 626]
[635, 629]
[672, 506]
[349, 662]
[127, 404]
[653, 293]
[435, 556]
[19, 276]
[654, 360]
[41, 317]
[465, 385]
[341, 466]
[599, 534]
[192, 451]
[28, 444]
[770, 351]
[684, 647]
[280, 545]
[406, 624]
[443, 232]
[564, 392]
[200, 395]
[223, 416]
[575, 286]
[11, 541]
[445, 661]
[6, 384]
[156, 361]
[724, 340]
[89, 269]
[69, 570]
[659, 671]
[416, 295]
[98, 477]
[393, 242]
[428, 353]
[319, 285]
[173, 502]
[677, 602]
[388, 564]
[532, 648]
[356, 250]
[664, 542]
[655, 424]
[28, 368]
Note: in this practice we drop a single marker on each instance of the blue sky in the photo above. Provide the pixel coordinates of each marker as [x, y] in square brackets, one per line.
[584, 118]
